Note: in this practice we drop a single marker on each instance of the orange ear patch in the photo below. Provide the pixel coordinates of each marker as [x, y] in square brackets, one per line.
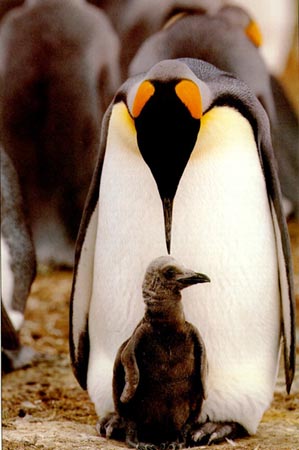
[144, 93]
[188, 92]
[254, 33]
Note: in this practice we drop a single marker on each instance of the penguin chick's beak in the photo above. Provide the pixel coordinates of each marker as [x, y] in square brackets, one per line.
[189, 278]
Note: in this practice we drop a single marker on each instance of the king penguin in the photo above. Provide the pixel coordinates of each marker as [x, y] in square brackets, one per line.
[136, 20]
[186, 165]
[231, 40]
[50, 112]
[159, 372]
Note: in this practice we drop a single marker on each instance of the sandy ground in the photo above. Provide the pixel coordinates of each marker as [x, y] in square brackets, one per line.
[43, 407]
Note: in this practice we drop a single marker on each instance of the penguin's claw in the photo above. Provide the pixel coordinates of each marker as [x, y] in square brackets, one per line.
[110, 426]
[140, 445]
[215, 432]
[173, 446]
[143, 446]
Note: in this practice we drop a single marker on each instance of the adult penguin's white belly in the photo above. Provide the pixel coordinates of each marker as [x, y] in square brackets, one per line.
[130, 234]
[222, 226]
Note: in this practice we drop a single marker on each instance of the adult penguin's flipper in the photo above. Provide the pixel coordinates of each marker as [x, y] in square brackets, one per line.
[84, 271]
[288, 307]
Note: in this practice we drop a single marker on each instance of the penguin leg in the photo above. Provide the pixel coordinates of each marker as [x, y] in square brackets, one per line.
[215, 432]
[111, 426]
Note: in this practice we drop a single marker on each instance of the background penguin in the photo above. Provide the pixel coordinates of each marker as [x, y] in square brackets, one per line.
[17, 268]
[160, 371]
[285, 137]
[186, 163]
[53, 94]
[136, 20]
[230, 40]
[277, 21]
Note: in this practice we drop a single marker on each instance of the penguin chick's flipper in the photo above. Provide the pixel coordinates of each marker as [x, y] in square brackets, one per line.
[215, 432]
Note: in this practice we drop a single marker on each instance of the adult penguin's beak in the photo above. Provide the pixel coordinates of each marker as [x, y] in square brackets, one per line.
[167, 210]
[167, 120]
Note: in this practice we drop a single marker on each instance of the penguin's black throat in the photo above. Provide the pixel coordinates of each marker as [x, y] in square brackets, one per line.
[166, 135]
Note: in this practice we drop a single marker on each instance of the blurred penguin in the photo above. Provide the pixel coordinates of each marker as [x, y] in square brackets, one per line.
[58, 72]
[277, 20]
[230, 40]
[17, 268]
[136, 20]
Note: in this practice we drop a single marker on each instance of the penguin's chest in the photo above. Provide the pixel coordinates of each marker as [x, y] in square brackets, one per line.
[130, 233]
[221, 226]
[167, 382]
[166, 357]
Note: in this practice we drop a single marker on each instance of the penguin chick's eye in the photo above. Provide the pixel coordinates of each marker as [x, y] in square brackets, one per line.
[169, 272]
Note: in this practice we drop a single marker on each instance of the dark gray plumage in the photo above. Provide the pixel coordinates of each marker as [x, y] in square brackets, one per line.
[229, 39]
[54, 90]
[285, 136]
[160, 371]
[136, 20]
[17, 267]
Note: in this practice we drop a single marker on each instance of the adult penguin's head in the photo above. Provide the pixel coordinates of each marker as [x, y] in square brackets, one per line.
[167, 107]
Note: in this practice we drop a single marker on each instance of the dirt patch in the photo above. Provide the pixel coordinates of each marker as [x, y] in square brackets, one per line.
[43, 407]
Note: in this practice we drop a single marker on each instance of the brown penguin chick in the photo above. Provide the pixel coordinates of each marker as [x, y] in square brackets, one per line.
[160, 371]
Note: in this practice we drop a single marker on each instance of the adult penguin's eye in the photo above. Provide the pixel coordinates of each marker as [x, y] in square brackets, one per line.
[169, 272]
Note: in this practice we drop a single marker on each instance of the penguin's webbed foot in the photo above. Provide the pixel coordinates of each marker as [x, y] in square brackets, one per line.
[215, 432]
[111, 426]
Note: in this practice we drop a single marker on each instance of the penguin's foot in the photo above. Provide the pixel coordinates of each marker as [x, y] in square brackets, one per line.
[132, 439]
[18, 359]
[172, 446]
[111, 426]
[132, 442]
[142, 445]
[215, 432]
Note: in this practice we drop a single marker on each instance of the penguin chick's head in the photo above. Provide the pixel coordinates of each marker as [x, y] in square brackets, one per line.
[165, 278]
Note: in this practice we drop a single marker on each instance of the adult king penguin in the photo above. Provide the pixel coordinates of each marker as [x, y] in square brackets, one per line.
[231, 40]
[186, 164]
